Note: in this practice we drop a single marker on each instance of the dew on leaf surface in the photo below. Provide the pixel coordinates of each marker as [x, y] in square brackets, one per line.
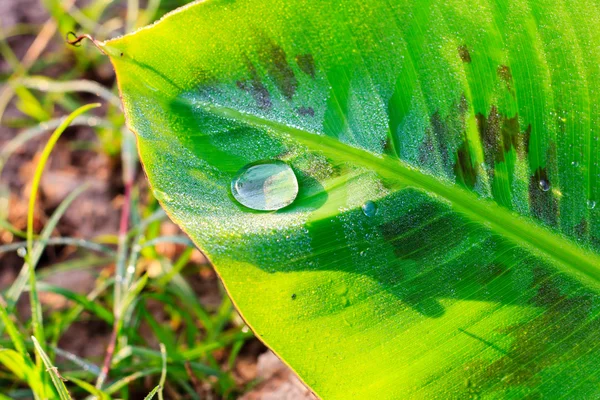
[265, 185]
[591, 204]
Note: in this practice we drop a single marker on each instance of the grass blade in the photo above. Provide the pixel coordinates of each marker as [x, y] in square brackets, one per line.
[82, 300]
[59, 385]
[99, 394]
[12, 330]
[18, 285]
[163, 374]
[36, 310]
[152, 393]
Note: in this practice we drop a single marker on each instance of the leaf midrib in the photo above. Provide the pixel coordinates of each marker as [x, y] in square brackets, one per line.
[573, 259]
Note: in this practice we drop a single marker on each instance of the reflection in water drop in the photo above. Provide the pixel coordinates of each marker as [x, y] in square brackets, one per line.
[544, 185]
[591, 204]
[265, 185]
[369, 208]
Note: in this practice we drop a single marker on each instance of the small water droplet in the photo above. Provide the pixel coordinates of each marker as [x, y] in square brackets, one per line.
[22, 252]
[544, 185]
[591, 204]
[369, 209]
[161, 196]
[265, 185]
[575, 164]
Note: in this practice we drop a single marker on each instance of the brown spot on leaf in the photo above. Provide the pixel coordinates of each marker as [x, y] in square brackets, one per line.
[505, 74]
[274, 59]
[464, 54]
[306, 111]
[464, 170]
[255, 87]
[489, 132]
[435, 144]
[306, 64]
[582, 229]
[543, 204]
[498, 134]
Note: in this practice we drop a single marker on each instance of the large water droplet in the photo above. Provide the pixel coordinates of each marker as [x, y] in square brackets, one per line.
[591, 204]
[265, 185]
[544, 185]
[369, 208]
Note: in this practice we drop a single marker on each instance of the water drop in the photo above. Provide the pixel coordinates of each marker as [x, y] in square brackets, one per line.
[591, 204]
[161, 196]
[575, 164]
[265, 185]
[369, 209]
[544, 185]
[21, 252]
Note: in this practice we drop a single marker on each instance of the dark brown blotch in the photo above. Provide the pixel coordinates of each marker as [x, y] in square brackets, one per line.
[465, 171]
[255, 87]
[505, 75]
[306, 111]
[464, 54]
[582, 229]
[439, 136]
[498, 134]
[489, 133]
[306, 63]
[543, 205]
[274, 59]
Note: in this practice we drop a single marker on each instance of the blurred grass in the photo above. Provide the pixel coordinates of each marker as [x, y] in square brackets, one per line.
[191, 348]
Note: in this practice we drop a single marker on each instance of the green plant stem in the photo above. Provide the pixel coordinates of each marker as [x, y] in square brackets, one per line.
[36, 310]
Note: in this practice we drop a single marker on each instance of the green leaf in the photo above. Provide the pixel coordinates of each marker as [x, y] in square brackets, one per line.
[444, 241]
